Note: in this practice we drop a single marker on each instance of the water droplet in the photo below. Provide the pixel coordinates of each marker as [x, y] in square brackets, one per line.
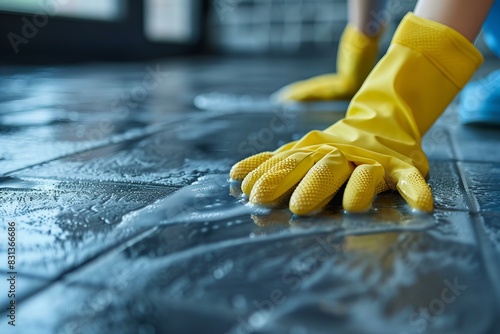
[218, 273]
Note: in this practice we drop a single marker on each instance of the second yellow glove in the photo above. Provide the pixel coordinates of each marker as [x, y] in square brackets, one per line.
[355, 59]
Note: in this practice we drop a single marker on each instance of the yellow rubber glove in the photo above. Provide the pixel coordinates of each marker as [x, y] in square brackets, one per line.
[355, 59]
[377, 146]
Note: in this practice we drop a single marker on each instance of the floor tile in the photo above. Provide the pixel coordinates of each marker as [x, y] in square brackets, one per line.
[68, 308]
[446, 185]
[62, 224]
[492, 228]
[483, 181]
[301, 279]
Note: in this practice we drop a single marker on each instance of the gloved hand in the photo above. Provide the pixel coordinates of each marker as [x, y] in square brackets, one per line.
[355, 59]
[377, 146]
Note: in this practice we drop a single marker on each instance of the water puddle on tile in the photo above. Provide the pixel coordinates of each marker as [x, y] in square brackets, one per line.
[218, 101]
[213, 199]
[206, 200]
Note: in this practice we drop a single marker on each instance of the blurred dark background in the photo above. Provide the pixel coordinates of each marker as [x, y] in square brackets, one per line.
[60, 31]
[69, 31]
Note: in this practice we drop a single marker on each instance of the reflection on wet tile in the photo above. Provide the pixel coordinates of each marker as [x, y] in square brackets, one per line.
[491, 224]
[453, 226]
[187, 260]
[488, 231]
[24, 286]
[45, 313]
[267, 281]
[160, 159]
[181, 154]
[48, 142]
[204, 201]
[212, 198]
[98, 310]
[483, 181]
[47, 139]
[61, 224]
[61, 111]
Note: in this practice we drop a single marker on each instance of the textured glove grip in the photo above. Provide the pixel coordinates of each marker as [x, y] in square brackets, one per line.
[446, 48]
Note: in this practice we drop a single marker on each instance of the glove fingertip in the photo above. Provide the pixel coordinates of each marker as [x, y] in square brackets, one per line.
[297, 207]
[236, 173]
[359, 192]
[365, 182]
[277, 181]
[241, 169]
[417, 193]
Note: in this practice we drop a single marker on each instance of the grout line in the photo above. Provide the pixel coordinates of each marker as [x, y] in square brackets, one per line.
[103, 145]
[153, 130]
[61, 276]
[123, 243]
[200, 249]
[337, 232]
[487, 253]
[469, 197]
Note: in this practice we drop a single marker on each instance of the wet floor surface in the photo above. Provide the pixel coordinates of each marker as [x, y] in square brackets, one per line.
[126, 222]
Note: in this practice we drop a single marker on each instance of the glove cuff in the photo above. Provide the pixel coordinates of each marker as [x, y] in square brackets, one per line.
[446, 48]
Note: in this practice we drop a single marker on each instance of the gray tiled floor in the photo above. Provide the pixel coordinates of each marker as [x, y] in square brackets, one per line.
[126, 223]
